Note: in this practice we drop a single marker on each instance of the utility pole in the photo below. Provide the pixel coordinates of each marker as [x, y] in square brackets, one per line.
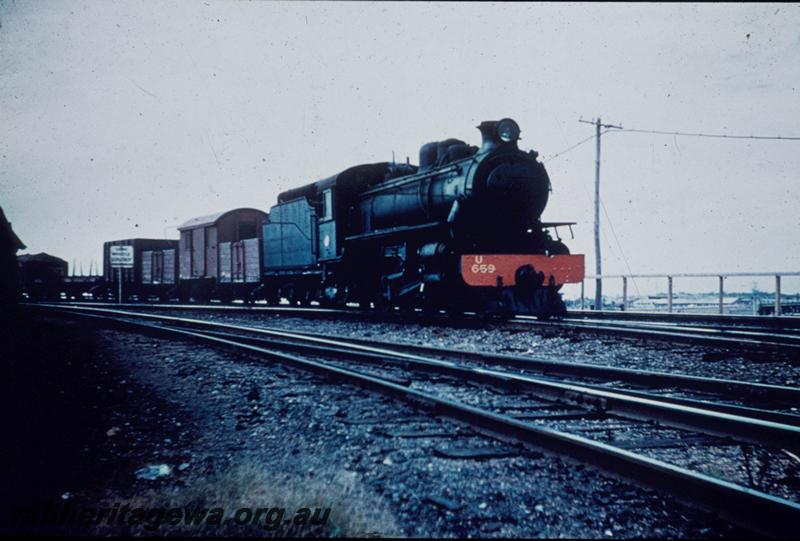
[598, 291]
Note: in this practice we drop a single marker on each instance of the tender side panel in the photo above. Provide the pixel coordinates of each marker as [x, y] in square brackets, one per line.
[272, 239]
[289, 237]
[484, 270]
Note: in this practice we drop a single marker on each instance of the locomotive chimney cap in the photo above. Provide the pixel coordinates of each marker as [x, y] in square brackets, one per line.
[494, 132]
[507, 130]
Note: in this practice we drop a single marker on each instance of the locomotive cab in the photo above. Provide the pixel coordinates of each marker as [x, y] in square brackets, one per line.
[309, 231]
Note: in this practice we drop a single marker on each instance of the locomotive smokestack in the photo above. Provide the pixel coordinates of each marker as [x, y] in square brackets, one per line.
[489, 138]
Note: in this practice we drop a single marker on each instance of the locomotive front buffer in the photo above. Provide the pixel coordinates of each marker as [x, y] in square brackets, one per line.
[522, 283]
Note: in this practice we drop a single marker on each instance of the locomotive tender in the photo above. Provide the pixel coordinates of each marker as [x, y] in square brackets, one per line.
[461, 232]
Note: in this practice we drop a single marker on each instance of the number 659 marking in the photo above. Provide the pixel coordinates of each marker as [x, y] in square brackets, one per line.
[483, 268]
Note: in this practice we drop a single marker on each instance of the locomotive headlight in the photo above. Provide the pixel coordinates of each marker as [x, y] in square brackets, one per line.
[507, 130]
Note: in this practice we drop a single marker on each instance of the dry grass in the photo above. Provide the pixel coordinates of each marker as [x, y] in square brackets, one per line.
[354, 512]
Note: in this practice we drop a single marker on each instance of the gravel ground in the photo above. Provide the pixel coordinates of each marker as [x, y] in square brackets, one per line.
[576, 347]
[765, 469]
[91, 407]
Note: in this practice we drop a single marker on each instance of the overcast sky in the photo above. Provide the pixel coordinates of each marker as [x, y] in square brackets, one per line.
[125, 119]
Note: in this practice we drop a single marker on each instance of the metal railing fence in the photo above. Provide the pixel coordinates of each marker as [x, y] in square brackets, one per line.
[721, 276]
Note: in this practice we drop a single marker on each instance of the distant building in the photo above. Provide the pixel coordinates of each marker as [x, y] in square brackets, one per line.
[41, 276]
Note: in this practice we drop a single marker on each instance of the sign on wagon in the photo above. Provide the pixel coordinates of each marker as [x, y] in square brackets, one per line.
[121, 257]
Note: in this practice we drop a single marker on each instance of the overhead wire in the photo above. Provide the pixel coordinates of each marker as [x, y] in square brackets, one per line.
[661, 132]
[714, 135]
[576, 145]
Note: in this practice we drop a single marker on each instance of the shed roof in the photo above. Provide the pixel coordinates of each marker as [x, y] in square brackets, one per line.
[41, 257]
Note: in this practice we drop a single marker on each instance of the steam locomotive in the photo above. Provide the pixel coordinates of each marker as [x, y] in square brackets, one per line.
[461, 232]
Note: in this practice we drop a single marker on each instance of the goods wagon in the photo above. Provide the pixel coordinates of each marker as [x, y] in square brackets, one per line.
[220, 255]
[154, 272]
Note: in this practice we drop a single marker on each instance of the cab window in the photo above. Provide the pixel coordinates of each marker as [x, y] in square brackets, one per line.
[327, 204]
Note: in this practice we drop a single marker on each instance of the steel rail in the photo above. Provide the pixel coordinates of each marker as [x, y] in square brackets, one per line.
[434, 365]
[753, 509]
[505, 378]
[784, 322]
[723, 387]
[728, 333]
[704, 420]
[789, 334]
[786, 343]
[721, 327]
[692, 337]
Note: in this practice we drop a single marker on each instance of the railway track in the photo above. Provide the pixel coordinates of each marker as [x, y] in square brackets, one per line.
[760, 335]
[546, 411]
[727, 388]
[722, 335]
[761, 322]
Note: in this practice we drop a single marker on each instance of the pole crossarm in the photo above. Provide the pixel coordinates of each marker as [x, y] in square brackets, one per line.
[596, 122]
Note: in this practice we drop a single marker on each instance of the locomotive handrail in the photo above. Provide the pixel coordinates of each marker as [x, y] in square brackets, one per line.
[399, 181]
[393, 230]
[720, 275]
[292, 224]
